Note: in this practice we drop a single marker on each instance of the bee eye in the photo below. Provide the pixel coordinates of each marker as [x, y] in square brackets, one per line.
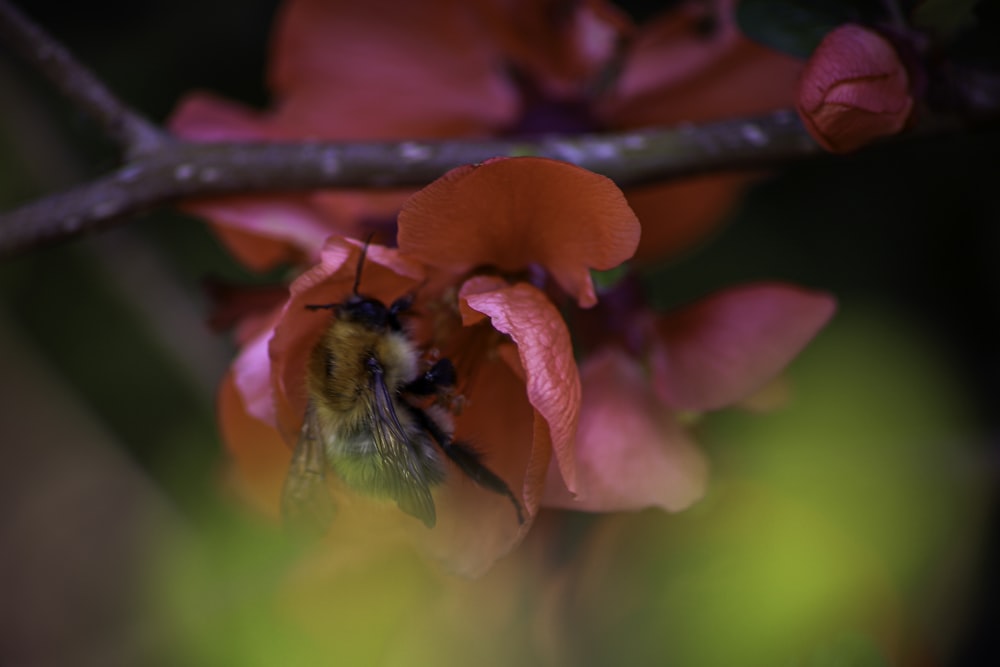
[370, 312]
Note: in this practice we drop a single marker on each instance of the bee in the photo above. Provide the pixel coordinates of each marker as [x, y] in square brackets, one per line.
[368, 420]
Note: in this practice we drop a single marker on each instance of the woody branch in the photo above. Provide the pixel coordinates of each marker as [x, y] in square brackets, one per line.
[160, 169]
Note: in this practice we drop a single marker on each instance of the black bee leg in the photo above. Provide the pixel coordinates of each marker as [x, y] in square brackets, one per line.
[401, 305]
[439, 376]
[466, 458]
[469, 460]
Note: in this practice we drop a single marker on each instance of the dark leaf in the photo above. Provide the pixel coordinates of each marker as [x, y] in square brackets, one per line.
[796, 27]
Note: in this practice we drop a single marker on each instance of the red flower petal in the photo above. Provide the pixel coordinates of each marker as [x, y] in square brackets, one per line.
[259, 457]
[546, 357]
[724, 347]
[384, 69]
[677, 216]
[630, 452]
[517, 212]
[674, 72]
[561, 45]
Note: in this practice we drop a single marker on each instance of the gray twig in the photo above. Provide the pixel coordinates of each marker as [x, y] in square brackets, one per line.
[180, 170]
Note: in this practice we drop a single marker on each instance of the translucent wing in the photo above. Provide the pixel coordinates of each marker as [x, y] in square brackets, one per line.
[306, 506]
[401, 474]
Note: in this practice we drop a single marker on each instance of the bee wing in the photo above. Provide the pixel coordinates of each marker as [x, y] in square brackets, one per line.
[306, 506]
[400, 469]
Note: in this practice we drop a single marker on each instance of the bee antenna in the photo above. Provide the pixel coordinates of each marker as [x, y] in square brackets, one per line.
[361, 263]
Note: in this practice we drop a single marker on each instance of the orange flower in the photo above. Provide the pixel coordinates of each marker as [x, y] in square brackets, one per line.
[494, 252]
[527, 220]
[378, 70]
[855, 89]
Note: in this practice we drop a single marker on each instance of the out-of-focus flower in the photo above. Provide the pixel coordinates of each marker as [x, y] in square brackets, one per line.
[376, 70]
[854, 90]
[645, 370]
[538, 226]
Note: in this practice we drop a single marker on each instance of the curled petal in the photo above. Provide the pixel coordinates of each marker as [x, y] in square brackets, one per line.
[546, 357]
[854, 90]
[630, 451]
[517, 212]
[721, 349]
[386, 276]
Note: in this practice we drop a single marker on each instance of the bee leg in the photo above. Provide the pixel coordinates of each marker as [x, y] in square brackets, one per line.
[466, 458]
[402, 304]
[439, 376]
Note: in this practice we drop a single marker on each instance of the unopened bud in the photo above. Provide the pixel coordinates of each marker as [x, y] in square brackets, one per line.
[854, 90]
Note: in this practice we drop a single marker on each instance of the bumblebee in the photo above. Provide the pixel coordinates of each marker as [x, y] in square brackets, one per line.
[371, 419]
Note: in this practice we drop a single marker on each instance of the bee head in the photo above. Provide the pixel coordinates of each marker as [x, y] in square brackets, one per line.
[372, 313]
[366, 310]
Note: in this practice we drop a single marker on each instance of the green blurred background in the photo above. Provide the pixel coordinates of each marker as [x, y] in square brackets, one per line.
[863, 509]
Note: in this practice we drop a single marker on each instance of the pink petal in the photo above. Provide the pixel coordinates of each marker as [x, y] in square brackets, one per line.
[721, 349]
[630, 452]
[288, 219]
[546, 357]
[251, 374]
[207, 117]
[517, 212]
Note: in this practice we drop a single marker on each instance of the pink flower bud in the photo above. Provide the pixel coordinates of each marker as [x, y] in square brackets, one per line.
[854, 90]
